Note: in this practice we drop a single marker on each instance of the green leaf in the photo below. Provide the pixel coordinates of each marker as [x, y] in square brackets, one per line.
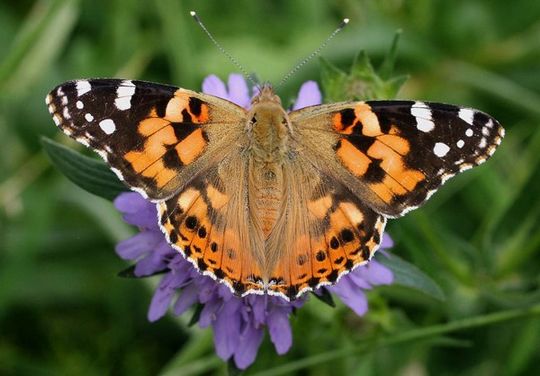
[325, 297]
[408, 275]
[196, 314]
[90, 174]
[387, 67]
[363, 82]
[232, 369]
[333, 81]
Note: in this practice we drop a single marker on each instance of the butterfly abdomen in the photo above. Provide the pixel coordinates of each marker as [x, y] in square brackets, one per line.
[266, 190]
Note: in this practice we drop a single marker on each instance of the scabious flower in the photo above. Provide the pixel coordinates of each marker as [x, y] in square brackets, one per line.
[238, 323]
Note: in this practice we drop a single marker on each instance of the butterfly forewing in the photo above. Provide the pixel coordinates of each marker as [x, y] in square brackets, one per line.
[400, 152]
[151, 135]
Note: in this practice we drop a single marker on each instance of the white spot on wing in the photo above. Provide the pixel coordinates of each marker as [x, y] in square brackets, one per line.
[57, 120]
[117, 172]
[101, 153]
[467, 115]
[123, 95]
[465, 167]
[107, 126]
[483, 143]
[469, 132]
[460, 143]
[422, 113]
[79, 105]
[64, 100]
[83, 87]
[66, 113]
[48, 99]
[445, 177]
[83, 141]
[440, 149]
[89, 117]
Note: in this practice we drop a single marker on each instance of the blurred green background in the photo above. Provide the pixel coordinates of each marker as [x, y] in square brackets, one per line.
[63, 310]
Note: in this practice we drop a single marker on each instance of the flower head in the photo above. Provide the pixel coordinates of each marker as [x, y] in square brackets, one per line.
[238, 323]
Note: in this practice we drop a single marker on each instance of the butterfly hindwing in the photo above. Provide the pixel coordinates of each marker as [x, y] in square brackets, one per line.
[205, 224]
[400, 152]
[151, 135]
[342, 234]
[323, 232]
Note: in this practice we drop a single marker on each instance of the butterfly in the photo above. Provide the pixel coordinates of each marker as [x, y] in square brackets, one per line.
[269, 201]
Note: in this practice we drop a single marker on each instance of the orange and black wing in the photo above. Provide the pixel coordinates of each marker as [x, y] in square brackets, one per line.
[396, 153]
[155, 137]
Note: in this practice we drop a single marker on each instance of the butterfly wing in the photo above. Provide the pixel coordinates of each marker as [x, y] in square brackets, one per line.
[156, 138]
[395, 154]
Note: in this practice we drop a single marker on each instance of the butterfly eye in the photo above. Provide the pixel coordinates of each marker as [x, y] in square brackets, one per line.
[253, 120]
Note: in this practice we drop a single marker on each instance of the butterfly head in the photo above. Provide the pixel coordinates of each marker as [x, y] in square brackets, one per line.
[266, 94]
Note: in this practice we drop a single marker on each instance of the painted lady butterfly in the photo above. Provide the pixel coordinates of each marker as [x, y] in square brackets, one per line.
[264, 200]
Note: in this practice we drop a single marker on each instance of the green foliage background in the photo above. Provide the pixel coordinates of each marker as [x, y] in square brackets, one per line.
[63, 310]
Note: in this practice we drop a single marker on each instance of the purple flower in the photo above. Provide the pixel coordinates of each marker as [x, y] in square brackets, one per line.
[238, 323]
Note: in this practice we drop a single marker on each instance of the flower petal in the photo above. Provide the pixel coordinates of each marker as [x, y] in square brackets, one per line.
[248, 346]
[238, 90]
[377, 274]
[149, 265]
[134, 247]
[214, 86]
[257, 306]
[280, 329]
[162, 298]
[357, 277]
[187, 298]
[351, 295]
[387, 241]
[143, 218]
[227, 329]
[209, 312]
[309, 95]
[131, 202]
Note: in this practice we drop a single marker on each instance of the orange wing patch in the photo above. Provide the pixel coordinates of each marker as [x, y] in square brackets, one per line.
[183, 106]
[171, 138]
[191, 147]
[354, 160]
[375, 157]
[344, 237]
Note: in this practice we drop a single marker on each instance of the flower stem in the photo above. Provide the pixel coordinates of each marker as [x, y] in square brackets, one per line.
[411, 335]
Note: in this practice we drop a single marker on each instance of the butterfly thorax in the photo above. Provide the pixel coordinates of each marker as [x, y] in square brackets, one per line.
[268, 127]
[269, 130]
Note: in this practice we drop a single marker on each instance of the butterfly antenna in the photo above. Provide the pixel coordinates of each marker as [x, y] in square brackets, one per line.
[221, 49]
[314, 53]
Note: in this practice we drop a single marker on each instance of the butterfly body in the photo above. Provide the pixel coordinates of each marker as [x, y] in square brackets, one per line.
[267, 201]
